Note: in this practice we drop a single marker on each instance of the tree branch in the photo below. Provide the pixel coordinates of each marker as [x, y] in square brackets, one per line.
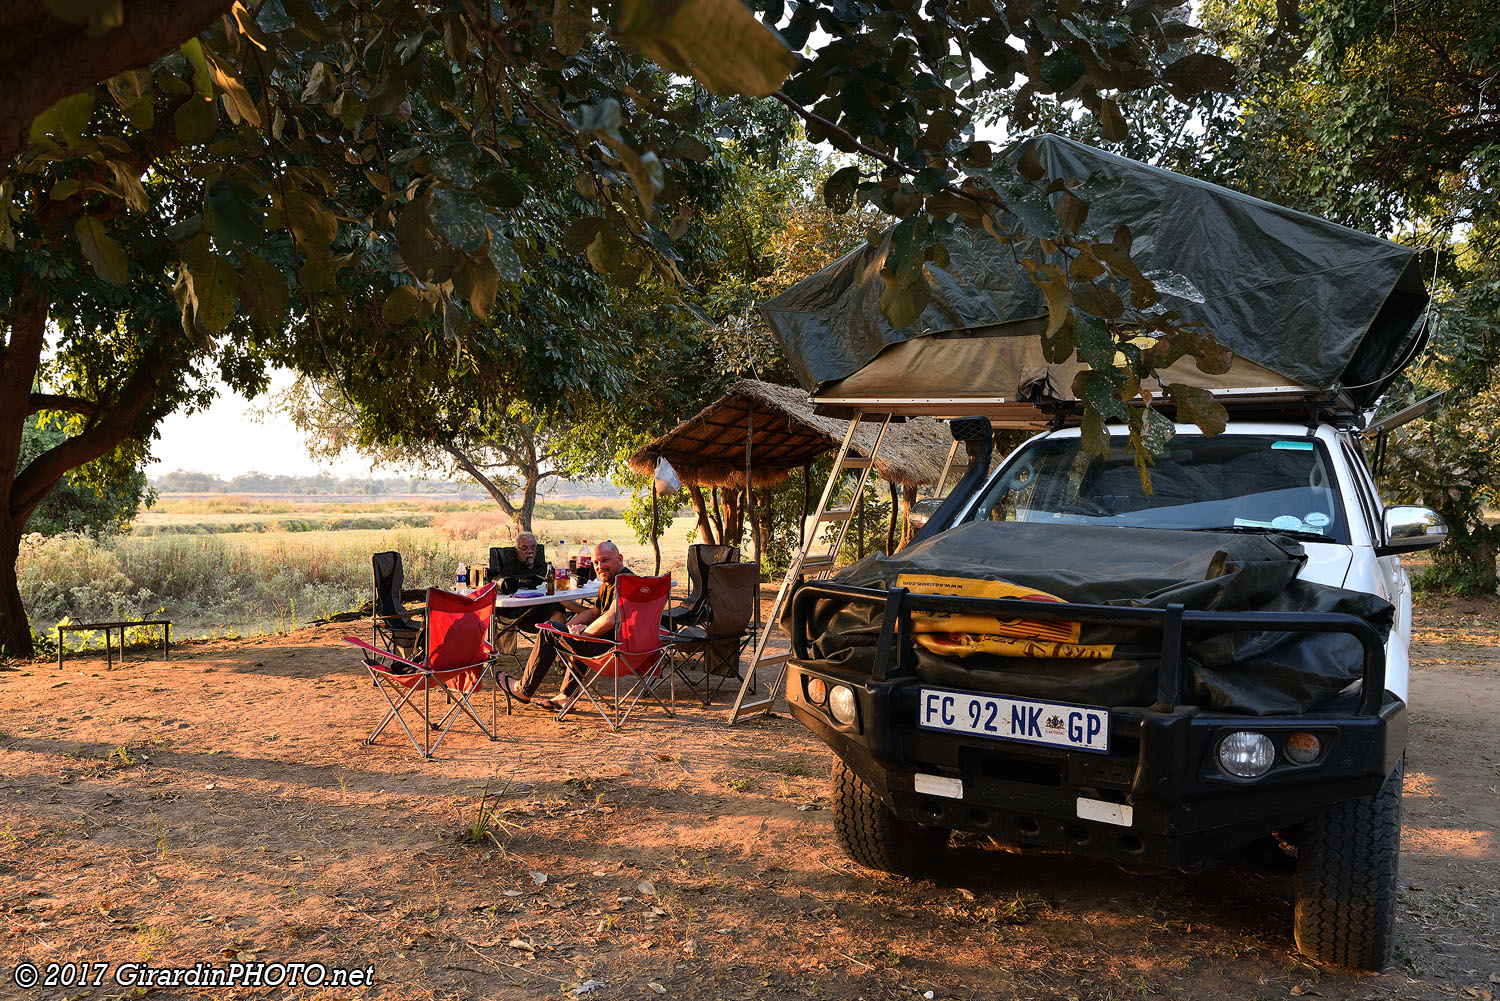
[65, 404]
[468, 466]
[113, 422]
[55, 58]
[23, 352]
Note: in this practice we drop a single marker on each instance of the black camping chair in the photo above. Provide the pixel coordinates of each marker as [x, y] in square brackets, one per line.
[715, 645]
[399, 629]
[694, 607]
[507, 568]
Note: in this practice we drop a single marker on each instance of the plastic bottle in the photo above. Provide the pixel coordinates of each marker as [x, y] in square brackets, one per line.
[560, 557]
[461, 579]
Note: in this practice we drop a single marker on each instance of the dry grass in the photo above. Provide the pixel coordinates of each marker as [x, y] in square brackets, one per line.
[249, 582]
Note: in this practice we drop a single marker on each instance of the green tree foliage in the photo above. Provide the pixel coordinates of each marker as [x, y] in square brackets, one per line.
[345, 190]
[1390, 124]
[100, 497]
[351, 189]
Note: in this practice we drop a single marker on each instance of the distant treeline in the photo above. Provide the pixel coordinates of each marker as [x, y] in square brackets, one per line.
[188, 481]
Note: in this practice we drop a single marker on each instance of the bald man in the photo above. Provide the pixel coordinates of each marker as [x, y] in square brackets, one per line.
[586, 628]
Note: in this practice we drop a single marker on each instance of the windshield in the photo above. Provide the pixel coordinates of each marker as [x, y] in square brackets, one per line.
[1247, 483]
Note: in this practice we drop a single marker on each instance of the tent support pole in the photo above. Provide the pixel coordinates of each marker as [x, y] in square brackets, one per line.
[806, 564]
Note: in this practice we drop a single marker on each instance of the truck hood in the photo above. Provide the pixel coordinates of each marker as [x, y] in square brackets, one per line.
[1327, 563]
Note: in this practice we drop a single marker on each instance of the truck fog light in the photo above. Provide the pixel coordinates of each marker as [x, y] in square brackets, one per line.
[817, 691]
[841, 704]
[1246, 754]
[1303, 748]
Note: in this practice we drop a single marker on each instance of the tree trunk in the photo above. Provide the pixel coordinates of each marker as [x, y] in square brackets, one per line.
[908, 498]
[700, 510]
[65, 58]
[22, 490]
[528, 503]
[734, 525]
[15, 628]
[717, 511]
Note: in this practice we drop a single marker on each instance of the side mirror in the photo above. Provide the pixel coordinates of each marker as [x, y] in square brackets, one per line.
[922, 511]
[1407, 529]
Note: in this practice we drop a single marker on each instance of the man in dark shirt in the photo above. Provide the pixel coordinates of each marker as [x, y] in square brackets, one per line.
[528, 570]
[587, 628]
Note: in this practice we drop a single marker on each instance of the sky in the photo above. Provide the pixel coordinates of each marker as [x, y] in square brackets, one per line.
[232, 437]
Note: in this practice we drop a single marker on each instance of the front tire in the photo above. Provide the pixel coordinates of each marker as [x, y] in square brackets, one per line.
[874, 836]
[1346, 879]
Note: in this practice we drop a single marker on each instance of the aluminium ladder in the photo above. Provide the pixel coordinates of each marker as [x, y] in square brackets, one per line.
[806, 564]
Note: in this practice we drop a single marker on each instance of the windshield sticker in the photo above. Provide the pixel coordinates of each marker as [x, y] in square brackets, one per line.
[1250, 523]
[1287, 523]
[1294, 446]
[1317, 519]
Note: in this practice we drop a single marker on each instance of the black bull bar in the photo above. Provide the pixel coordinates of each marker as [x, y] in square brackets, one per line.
[1174, 621]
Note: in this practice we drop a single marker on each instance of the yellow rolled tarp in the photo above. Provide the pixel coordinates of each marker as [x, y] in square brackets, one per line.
[961, 635]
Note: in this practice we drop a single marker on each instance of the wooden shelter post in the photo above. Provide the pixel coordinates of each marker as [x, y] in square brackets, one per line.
[749, 482]
[655, 531]
[806, 498]
[890, 527]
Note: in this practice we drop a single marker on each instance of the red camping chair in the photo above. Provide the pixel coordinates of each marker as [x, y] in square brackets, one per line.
[638, 657]
[457, 658]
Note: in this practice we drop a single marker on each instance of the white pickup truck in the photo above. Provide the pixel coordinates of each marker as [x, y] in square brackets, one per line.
[1173, 777]
[1066, 659]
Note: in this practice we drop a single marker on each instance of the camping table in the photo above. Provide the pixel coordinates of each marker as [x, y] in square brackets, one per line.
[535, 596]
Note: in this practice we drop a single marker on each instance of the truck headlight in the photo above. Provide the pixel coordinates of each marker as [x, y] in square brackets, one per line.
[1246, 754]
[817, 691]
[841, 704]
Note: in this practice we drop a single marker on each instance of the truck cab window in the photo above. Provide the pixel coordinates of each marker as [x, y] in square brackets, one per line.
[1243, 483]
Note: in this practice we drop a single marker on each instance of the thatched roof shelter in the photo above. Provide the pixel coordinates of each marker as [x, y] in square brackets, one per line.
[709, 448]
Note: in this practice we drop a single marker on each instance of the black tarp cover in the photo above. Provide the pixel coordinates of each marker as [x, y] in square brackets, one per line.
[1321, 305]
[1263, 673]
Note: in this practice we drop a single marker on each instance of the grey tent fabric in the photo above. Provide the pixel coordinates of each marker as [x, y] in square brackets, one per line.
[1317, 304]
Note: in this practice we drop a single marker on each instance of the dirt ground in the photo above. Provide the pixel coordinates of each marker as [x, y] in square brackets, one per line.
[221, 808]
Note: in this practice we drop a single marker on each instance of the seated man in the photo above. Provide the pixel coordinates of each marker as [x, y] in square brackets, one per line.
[525, 568]
[521, 566]
[586, 626]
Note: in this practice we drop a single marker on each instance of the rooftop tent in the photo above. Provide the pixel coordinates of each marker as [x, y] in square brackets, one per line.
[1303, 303]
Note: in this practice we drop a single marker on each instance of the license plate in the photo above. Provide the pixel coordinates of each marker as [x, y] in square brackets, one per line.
[1081, 728]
